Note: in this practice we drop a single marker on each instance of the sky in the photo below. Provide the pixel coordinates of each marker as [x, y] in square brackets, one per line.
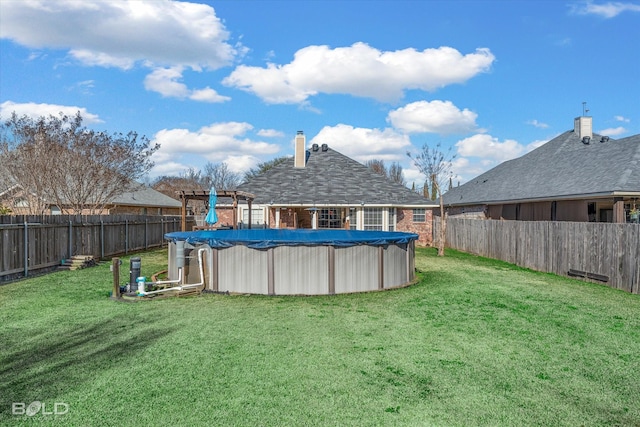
[234, 80]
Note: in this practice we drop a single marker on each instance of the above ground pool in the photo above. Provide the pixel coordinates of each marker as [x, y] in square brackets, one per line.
[292, 262]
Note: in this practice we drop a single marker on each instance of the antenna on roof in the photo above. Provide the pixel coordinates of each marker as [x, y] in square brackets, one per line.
[585, 110]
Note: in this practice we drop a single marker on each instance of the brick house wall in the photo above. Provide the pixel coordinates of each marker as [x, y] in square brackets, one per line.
[424, 230]
[225, 216]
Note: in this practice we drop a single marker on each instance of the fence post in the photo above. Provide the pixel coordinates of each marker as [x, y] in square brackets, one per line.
[70, 239]
[115, 267]
[126, 236]
[101, 238]
[146, 236]
[26, 249]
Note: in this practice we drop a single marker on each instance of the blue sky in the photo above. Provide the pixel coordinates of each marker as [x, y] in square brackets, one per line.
[233, 81]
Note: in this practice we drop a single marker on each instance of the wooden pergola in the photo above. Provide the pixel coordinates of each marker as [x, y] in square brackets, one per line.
[203, 195]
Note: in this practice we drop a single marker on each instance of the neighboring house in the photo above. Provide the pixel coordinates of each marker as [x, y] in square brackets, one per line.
[577, 176]
[321, 188]
[142, 200]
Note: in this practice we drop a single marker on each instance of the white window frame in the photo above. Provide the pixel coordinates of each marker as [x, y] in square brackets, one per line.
[424, 214]
[391, 220]
[244, 216]
[377, 226]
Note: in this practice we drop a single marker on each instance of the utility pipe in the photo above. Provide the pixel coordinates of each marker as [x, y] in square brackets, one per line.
[183, 287]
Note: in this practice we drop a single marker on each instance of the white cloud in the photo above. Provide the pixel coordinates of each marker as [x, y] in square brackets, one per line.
[101, 59]
[166, 81]
[270, 133]
[207, 95]
[465, 169]
[167, 36]
[621, 119]
[241, 164]
[217, 142]
[537, 124]
[364, 144]
[33, 110]
[605, 10]
[359, 70]
[413, 176]
[440, 117]
[488, 147]
[479, 153]
[613, 131]
[120, 33]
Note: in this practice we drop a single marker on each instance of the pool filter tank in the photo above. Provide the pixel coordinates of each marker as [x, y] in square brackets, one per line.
[134, 273]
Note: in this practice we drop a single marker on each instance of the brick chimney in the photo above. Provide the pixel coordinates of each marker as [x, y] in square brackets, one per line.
[583, 127]
[300, 153]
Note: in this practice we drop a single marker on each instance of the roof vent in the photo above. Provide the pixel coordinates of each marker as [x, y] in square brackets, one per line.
[325, 147]
[314, 147]
[604, 139]
[586, 140]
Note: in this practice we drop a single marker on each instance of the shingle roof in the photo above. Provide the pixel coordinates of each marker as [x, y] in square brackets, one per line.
[564, 167]
[329, 178]
[143, 195]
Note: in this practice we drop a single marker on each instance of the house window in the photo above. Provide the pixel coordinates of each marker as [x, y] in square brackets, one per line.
[329, 218]
[392, 219]
[420, 215]
[372, 219]
[353, 219]
[257, 217]
[591, 212]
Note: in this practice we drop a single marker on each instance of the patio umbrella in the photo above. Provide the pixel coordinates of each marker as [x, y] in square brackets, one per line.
[212, 217]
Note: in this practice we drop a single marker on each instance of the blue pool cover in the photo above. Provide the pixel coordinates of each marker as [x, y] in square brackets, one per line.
[271, 237]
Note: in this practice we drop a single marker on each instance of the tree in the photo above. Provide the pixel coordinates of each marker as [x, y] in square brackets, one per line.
[393, 172]
[263, 167]
[436, 165]
[377, 166]
[170, 185]
[434, 187]
[220, 176]
[56, 159]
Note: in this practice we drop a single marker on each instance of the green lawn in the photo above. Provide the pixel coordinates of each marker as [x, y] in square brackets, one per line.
[474, 342]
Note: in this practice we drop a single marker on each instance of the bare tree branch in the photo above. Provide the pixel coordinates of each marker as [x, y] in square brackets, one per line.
[437, 167]
[220, 176]
[57, 160]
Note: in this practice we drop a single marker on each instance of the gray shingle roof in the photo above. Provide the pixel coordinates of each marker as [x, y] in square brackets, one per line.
[329, 178]
[562, 168]
[143, 195]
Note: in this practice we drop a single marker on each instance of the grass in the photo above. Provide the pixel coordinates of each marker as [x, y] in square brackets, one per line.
[475, 342]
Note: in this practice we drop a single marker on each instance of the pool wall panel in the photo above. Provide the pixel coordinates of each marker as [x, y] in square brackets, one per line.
[395, 266]
[301, 270]
[242, 270]
[356, 269]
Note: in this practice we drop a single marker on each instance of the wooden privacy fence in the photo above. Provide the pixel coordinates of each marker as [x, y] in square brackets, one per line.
[36, 243]
[600, 252]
